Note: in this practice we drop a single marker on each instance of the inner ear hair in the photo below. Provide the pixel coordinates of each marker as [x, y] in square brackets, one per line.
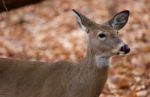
[119, 20]
[84, 22]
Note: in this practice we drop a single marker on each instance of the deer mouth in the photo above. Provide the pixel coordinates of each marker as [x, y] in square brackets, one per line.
[121, 51]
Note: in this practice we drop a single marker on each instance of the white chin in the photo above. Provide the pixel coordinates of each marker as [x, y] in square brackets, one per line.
[121, 53]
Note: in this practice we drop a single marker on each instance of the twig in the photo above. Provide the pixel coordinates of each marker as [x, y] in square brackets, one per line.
[4, 4]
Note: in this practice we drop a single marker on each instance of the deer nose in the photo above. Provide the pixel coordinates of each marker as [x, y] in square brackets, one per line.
[125, 49]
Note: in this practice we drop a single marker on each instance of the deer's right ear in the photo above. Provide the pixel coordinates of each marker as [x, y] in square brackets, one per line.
[82, 21]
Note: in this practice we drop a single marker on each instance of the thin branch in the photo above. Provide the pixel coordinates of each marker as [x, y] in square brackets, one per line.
[4, 4]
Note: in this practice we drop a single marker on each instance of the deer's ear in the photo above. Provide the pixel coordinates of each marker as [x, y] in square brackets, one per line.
[83, 22]
[119, 20]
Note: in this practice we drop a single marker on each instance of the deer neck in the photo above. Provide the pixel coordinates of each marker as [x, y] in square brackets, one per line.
[96, 60]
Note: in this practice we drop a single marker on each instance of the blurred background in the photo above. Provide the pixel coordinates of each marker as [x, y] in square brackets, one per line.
[47, 31]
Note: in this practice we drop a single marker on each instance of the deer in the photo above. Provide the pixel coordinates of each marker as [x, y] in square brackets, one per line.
[86, 78]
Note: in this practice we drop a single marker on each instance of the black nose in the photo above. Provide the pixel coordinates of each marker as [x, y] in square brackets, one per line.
[125, 49]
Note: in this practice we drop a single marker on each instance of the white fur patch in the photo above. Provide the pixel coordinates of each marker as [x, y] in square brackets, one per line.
[102, 61]
[80, 23]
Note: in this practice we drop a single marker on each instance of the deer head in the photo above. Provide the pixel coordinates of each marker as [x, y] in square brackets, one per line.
[103, 39]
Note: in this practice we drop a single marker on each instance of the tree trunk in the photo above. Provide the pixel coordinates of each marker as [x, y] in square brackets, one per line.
[13, 4]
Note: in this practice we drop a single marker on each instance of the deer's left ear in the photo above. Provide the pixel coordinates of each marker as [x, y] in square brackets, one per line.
[119, 20]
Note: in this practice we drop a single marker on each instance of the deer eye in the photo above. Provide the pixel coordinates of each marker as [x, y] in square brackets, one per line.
[102, 36]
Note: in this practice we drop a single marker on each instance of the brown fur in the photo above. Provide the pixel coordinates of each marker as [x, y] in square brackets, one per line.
[61, 79]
